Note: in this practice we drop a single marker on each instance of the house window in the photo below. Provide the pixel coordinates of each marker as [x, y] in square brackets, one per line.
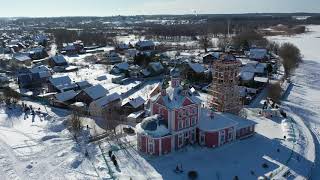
[151, 146]
[251, 128]
[222, 137]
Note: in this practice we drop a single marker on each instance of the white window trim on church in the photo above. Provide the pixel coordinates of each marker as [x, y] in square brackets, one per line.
[151, 146]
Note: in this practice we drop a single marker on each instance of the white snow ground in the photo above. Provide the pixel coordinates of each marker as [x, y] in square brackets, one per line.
[34, 147]
[303, 99]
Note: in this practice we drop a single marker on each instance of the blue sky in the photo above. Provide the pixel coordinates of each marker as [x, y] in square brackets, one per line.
[14, 8]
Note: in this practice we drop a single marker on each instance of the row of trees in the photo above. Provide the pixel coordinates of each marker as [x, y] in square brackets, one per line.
[88, 37]
[290, 57]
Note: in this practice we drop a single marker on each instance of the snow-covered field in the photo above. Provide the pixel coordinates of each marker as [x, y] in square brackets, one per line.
[304, 99]
[35, 147]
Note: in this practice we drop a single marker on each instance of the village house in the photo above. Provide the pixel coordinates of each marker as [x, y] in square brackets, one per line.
[145, 45]
[91, 94]
[210, 57]
[61, 84]
[64, 99]
[38, 53]
[106, 104]
[76, 47]
[20, 60]
[83, 85]
[155, 68]
[57, 60]
[35, 77]
[258, 54]
[132, 105]
[196, 72]
[112, 58]
[120, 68]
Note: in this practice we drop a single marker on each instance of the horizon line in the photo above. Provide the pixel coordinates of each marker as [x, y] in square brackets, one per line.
[187, 14]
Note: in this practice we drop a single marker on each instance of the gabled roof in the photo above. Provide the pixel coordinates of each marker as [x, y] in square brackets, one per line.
[123, 66]
[62, 82]
[196, 67]
[95, 92]
[134, 102]
[258, 53]
[174, 98]
[38, 69]
[66, 96]
[145, 43]
[156, 66]
[21, 57]
[59, 59]
[82, 84]
[107, 99]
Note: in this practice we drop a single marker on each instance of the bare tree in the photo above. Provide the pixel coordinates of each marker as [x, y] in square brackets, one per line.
[75, 123]
[222, 43]
[204, 42]
[291, 58]
[111, 117]
[274, 92]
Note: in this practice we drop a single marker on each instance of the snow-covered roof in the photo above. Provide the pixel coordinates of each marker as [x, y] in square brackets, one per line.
[66, 96]
[62, 82]
[38, 49]
[246, 76]
[174, 97]
[156, 66]
[145, 72]
[59, 59]
[79, 104]
[258, 53]
[134, 102]
[95, 92]
[37, 69]
[102, 78]
[123, 66]
[228, 57]
[22, 57]
[107, 99]
[145, 43]
[211, 121]
[215, 55]
[153, 126]
[214, 121]
[136, 115]
[83, 84]
[196, 67]
[261, 79]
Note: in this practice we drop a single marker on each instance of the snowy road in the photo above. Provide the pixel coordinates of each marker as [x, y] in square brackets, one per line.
[304, 98]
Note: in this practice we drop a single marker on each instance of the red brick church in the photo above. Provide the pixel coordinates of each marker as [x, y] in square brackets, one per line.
[178, 119]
